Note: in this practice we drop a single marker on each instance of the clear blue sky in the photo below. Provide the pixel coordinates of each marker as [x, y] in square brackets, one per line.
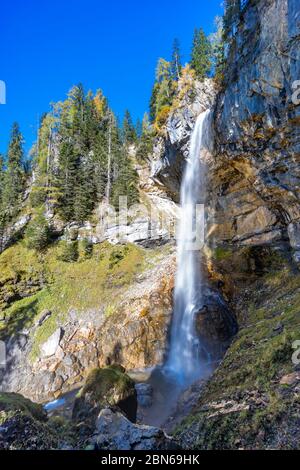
[46, 46]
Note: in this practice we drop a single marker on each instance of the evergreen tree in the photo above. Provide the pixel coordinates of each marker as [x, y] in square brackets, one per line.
[129, 132]
[163, 90]
[146, 141]
[66, 180]
[138, 128]
[2, 176]
[14, 176]
[201, 55]
[153, 100]
[176, 65]
[126, 180]
[218, 50]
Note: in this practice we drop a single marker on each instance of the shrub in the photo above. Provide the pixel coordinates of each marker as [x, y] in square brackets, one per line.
[162, 117]
[87, 247]
[38, 234]
[69, 252]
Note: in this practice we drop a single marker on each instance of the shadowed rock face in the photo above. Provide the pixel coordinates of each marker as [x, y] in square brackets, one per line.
[255, 175]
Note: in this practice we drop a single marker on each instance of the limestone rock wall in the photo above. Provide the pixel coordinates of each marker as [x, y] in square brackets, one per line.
[254, 186]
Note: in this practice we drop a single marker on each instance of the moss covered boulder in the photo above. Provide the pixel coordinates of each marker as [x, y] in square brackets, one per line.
[11, 402]
[108, 387]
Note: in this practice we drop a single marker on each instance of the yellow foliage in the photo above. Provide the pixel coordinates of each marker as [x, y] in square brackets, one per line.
[99, 101]
[162, 117]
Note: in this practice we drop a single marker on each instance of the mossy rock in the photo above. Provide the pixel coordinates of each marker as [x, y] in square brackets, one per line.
[11, 402]
[107, 387]
[24, 425]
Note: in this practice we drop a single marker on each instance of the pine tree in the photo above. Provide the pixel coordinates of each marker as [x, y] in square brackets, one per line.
[2, 176]
[66, 180]
[176, 65]
[201, 54]
[153, 100]
[126, 180]
[129, 132]
[14, 176]
[218, 50]
[146, 141]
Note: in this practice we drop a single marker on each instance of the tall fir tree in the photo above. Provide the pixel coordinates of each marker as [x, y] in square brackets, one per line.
[14, 180]
[129, 132]
[176, 65]
[146, 141]
[218, 50]
[201, 55]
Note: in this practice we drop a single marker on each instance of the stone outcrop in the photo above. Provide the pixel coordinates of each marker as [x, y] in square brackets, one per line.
[115, 432]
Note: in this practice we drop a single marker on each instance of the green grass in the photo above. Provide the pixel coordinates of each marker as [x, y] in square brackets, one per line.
[90, 283]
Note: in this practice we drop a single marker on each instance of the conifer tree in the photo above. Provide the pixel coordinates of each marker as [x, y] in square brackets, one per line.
[14, 176]
[146, 141]
[218, 50]
[126, 180]
[66, 180]
[2, 175]
[176, 65]
[201, 54]
[129, 132]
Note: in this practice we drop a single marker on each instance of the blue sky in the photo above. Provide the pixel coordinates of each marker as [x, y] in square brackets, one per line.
[46, 46]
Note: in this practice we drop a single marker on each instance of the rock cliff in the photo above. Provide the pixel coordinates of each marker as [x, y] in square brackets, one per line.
[252, 236]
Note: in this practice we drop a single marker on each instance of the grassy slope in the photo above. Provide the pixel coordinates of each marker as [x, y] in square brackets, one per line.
[50, 284]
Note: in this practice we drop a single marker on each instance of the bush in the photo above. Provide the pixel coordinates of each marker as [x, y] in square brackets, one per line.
[69, 252]
[162, 117]
[38, 234]
[87, 248]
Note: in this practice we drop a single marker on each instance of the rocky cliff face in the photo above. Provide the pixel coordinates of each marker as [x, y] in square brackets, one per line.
[255, 177]
[252, 243]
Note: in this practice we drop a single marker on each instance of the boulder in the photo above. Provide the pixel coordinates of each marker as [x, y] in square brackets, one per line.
[109, 386]
[115, 431]
[50, 346]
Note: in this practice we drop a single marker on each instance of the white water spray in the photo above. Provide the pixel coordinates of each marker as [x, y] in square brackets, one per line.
[185, 349]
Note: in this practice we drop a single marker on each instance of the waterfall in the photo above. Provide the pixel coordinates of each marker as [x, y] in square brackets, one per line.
[184, 358]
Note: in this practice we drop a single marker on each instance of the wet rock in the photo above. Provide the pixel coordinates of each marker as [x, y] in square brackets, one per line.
[115, 431]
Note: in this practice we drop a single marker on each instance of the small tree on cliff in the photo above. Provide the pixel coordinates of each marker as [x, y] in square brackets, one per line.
[201, 54]
[176, 65]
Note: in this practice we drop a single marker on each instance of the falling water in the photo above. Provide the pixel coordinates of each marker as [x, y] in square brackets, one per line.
[184, 359]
